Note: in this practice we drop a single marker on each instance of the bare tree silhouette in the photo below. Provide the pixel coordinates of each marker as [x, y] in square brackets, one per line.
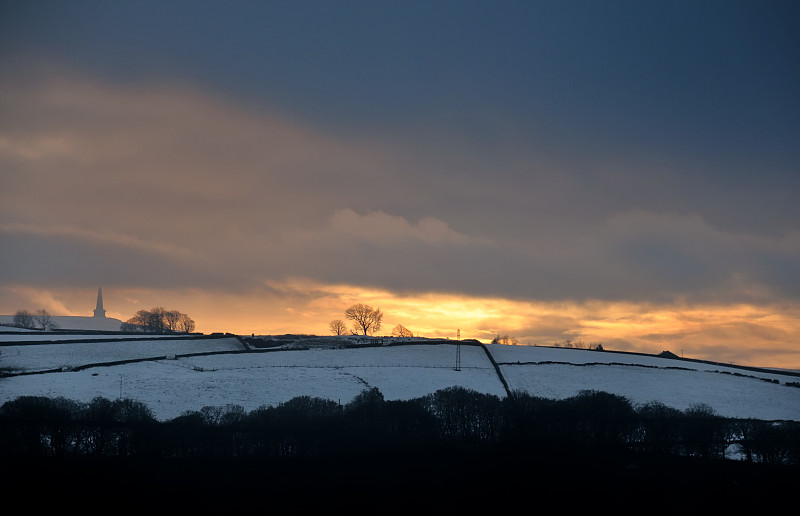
[337, 327]
[365, 318]
[45, 320]
[401, 331]
[24, 319]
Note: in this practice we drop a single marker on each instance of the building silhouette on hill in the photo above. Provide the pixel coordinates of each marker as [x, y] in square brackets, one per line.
[99, 311]
[98, 321]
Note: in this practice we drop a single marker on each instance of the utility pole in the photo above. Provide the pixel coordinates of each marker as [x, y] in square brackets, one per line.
[458, 350]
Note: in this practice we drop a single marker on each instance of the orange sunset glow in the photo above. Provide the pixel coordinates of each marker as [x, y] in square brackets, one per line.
[706, 332]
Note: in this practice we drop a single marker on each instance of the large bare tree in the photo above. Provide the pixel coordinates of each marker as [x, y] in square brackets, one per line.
[365, 318]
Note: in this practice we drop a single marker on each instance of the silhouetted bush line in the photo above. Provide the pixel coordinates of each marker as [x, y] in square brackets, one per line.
[453, 419]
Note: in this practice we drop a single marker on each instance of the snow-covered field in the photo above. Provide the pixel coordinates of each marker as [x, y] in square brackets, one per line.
[177, 379]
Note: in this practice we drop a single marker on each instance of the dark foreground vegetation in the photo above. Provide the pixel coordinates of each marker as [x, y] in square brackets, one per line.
[454, 449]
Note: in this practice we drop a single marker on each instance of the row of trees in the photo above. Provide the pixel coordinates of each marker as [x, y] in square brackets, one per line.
[39, 319]
[505, 339]
[156, 320]
[159, 320]
[567, 343]
[457, 418]
[366, 321]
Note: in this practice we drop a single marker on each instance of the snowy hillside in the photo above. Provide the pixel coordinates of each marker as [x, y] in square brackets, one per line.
[174, 375]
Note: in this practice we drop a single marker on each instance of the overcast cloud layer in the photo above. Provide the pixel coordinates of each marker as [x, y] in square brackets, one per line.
[537, 152]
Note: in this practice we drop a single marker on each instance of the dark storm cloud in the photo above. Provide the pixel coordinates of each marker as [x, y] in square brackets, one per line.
[609, 72]
[59, 257]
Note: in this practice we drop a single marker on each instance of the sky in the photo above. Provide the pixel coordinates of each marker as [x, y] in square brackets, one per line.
[616, 172]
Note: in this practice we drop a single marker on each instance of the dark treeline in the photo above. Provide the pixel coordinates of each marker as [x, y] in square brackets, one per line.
[453, 418]
[455, 451]
[159, 320]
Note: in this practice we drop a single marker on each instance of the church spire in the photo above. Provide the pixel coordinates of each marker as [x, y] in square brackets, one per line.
[99, 311]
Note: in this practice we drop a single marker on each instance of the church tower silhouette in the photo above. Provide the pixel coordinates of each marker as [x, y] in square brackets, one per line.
[99, 312]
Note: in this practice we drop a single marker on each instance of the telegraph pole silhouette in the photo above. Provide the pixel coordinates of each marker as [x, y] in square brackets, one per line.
[458, 350]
